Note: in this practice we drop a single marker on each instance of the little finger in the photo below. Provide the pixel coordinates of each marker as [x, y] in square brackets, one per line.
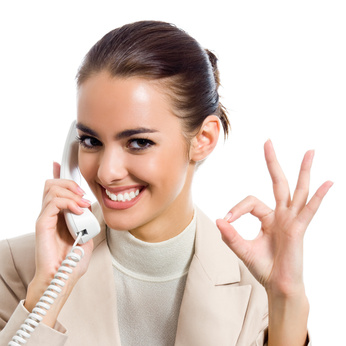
[308, 212]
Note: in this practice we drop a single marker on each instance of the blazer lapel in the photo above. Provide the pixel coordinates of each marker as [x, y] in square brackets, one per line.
[94, 297]
[214, 305]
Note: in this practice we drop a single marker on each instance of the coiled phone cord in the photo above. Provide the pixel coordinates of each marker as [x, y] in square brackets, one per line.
[49, 296]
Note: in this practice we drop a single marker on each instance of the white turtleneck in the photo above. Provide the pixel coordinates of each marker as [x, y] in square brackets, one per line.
[150, 280]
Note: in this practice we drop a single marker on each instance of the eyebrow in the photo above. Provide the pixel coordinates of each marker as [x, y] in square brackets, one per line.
[86, 129]
[120, 135]
[131, 132]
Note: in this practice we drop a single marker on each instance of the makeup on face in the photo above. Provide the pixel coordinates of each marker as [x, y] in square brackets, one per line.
[133, 153]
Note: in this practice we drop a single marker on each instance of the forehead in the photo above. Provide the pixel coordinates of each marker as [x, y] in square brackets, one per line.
[126, 101]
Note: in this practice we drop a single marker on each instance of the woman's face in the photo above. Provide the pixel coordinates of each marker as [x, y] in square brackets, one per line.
[134, 156]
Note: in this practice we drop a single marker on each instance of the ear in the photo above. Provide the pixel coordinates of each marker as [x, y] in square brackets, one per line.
[206, 139]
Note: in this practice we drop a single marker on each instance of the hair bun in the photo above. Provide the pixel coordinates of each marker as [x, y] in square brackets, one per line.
[213, 60]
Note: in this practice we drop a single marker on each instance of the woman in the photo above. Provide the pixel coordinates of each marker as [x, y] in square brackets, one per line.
[158, 273]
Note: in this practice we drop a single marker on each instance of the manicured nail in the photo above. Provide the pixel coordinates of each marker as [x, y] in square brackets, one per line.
[86, 201]
[80, 209]
[80, 191]
[228, 217]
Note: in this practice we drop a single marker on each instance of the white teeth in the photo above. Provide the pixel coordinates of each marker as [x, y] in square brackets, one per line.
[123, 197]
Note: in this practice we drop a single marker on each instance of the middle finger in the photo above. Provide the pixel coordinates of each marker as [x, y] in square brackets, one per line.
[280, 184]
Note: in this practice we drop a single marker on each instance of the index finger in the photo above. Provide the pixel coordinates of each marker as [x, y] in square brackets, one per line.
[56, 170]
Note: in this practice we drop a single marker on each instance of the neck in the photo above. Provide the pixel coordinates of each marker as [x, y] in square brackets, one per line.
[173, 220]
[155, 262]
[168, 225]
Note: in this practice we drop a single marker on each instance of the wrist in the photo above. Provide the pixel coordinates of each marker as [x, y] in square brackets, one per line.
[297, 302]
[288, 317]
[35, 291]
[293, 299]
[286, 291]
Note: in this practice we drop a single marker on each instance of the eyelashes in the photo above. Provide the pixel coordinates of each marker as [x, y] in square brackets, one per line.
[139, 144]
[133, 144]
[88, 142]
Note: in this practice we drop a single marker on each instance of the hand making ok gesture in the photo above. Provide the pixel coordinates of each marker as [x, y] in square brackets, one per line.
[275, 256]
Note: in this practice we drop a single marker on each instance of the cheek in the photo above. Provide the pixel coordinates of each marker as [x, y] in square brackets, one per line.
[164, 169]
[87, 167]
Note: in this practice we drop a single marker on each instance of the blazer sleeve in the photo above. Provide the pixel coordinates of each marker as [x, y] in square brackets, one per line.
[262, 339]
[13, 287]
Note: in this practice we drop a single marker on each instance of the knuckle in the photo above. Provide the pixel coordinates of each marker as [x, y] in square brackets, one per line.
[54, 190]
[55, 200]
[252, 199]
[48, 183]
[70, 183]
[51, 187]
[278, 179]
[50, 196]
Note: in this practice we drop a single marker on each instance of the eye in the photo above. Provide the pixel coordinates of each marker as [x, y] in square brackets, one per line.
[88, 142]
[139, 144]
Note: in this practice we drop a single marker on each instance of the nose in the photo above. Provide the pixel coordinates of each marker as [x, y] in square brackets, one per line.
[112, 167]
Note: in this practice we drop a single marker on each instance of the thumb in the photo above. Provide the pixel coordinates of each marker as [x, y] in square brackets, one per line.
[232, 238]
[56, 170]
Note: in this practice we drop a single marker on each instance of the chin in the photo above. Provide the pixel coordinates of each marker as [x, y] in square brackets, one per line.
[128, 219]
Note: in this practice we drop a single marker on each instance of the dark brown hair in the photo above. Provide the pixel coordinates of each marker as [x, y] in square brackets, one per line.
[159, 50]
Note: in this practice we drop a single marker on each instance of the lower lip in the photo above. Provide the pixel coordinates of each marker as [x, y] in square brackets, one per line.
[120, 205]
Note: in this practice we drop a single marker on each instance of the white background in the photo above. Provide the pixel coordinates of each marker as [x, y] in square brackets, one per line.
[283, 69]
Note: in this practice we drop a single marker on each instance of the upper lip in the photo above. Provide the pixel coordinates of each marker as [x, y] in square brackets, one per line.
[118, 189]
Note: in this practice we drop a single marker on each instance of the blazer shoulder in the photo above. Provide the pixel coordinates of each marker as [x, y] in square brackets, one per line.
[18, 255]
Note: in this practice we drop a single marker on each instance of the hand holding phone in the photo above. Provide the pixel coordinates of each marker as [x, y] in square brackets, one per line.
[54, 237]
[53, 242]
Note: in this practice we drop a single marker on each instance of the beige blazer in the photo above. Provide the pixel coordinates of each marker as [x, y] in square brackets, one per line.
[222, 303]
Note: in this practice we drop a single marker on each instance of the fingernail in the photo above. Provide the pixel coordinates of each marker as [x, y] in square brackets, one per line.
[80, 191]
[228, 217]
[86, 201]
[80, 209]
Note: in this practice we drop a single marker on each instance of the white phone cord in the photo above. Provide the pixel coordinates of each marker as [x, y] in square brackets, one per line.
[48, 297]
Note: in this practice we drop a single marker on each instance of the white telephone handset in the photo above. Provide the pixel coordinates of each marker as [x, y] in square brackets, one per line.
[86, 222]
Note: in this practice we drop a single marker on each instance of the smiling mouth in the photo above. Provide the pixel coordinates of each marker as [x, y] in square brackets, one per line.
[123, 197]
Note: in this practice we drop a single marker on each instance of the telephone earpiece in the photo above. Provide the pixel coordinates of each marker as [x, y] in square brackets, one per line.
[86, 223]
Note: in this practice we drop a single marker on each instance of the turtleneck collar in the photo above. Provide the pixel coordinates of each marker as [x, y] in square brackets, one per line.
[159, 262]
